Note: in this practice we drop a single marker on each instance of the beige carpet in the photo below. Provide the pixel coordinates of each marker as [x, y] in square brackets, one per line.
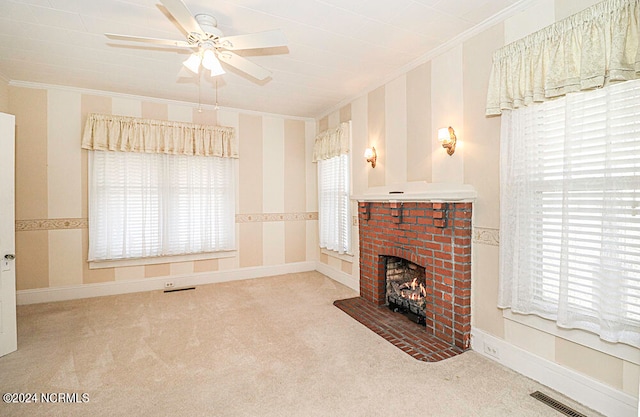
[267, 347]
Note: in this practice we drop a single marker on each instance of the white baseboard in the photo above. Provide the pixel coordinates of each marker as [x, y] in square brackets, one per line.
[46, 295]
[337, 275]
[587, 391]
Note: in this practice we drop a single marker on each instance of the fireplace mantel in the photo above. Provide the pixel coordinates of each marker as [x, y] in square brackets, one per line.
[419, 191]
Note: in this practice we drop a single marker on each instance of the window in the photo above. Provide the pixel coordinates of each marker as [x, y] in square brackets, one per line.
[570, 211]
[148, 205]
[334, 203]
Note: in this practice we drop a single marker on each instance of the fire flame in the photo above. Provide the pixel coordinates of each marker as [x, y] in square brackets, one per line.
[413, 291]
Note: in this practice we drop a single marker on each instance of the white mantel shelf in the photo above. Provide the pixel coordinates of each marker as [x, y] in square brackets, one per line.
[419, 191]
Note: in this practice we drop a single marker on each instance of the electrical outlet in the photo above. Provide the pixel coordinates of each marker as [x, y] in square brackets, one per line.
[491, 350]
[169, 284]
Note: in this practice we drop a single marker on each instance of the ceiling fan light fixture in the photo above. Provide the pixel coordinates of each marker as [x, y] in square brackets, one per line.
[208, 59]
[193, 63]
[210, 62]
[216, 69]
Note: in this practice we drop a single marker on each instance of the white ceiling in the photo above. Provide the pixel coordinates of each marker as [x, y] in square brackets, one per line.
[337, 48]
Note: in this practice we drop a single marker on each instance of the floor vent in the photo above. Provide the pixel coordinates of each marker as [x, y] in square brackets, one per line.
[180, 289]
[556, 405]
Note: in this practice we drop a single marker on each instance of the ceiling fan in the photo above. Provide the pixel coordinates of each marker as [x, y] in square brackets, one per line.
[209, 44]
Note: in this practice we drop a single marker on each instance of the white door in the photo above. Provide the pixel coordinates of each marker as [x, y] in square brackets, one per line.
[8, 329]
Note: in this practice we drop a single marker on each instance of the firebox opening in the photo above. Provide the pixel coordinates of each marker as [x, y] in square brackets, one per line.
[406, 291]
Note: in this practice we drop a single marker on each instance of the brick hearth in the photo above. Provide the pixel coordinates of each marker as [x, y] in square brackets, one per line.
[398, 330]
[436, 236]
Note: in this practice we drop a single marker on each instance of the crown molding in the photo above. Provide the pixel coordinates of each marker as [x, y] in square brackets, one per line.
[450, 44]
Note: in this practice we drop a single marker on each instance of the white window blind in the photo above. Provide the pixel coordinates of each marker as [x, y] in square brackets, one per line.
[147, 205]
[334, 204]
[570, 211]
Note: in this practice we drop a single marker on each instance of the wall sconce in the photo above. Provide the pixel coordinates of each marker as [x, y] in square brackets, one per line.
[447, 138]
[370, 154]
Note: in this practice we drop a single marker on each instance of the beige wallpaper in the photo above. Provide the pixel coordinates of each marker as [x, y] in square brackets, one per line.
[376, 134]
[4, 95]
[418, 125]
[51, 188]
[482, 170]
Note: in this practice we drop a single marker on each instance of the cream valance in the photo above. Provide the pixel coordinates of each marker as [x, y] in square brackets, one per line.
[587, 50]
[332, 142]
[104, 132]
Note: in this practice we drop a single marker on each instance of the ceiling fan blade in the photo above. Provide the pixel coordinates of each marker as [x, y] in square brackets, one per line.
[268, 39]
[155, 41]
[244, 65]
[183, 16]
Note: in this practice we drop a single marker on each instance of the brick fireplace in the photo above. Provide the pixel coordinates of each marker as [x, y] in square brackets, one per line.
[435, 236]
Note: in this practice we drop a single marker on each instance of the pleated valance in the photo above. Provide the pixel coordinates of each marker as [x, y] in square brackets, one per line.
[332, 142]
[104, 132]
[587, 50]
